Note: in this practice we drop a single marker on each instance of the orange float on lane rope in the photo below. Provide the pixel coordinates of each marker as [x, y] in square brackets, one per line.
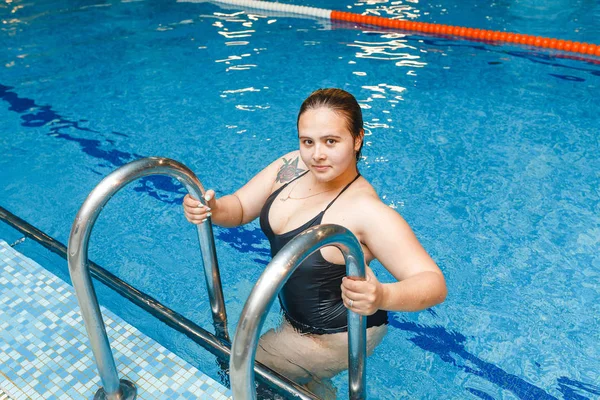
[469, 33]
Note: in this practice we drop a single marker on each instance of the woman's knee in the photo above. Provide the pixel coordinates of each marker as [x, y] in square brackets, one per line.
[283, 352]
[303, 357]
[375, 336]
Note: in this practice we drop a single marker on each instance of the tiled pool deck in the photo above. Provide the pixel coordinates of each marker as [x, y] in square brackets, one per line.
[45, 353]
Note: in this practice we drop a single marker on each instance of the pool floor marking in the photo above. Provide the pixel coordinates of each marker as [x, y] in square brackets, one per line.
[424, 27]
[45, 353]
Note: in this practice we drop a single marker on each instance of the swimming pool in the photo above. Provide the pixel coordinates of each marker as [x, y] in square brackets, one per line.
[489, 152]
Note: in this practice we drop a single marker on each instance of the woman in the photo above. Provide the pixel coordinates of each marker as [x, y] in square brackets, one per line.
[320, 184]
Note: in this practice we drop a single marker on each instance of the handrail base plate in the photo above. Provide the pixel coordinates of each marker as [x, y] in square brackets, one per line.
[128, 391]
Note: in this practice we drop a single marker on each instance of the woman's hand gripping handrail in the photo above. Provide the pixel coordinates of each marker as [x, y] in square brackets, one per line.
[267, 287]
[114, 389]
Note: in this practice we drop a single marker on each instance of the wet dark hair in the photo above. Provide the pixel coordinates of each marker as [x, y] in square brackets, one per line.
[340, 102]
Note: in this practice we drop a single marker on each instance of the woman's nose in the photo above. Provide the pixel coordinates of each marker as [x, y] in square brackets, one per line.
[318, 154]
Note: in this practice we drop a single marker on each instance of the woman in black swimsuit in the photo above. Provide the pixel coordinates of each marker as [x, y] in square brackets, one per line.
[319, 184]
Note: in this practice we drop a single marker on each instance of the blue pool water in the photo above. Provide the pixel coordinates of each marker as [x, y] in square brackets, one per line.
[490, 152]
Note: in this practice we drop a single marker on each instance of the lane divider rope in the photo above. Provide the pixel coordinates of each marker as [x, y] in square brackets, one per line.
[425, 27]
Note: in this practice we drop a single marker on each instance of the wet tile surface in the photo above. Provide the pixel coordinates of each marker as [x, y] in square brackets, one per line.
[45, 352]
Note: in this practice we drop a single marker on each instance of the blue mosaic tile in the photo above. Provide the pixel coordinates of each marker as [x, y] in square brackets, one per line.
[45, 353]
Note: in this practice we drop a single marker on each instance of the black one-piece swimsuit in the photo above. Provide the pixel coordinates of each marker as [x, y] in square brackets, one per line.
[312, 298]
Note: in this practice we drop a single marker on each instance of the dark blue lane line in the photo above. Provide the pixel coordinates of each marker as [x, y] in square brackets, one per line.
[161, 188]
[533, 56]
[568, 388]
[449, 346]
[481, 394]
[247, 240]
[568, 77]
[547, 59]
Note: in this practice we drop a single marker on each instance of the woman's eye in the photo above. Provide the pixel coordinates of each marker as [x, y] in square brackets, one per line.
[330, 141]
[307, 142]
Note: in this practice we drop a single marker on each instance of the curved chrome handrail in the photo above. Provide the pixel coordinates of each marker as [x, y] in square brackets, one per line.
[80, 272]
[216, 346]
[245, 341]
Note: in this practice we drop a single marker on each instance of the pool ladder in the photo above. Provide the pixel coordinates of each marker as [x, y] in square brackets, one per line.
[261, 298]
[268, 286]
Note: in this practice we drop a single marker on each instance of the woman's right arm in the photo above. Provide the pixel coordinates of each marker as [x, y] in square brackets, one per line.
[246, 203]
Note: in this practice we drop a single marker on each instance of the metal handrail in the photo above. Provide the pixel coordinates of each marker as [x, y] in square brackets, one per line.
[245, 341]
[80, 273]
[216, 346]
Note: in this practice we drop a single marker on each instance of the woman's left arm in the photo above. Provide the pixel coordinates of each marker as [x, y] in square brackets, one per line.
[420, 283]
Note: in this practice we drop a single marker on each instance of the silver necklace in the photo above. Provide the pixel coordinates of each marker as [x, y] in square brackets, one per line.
[289, 196]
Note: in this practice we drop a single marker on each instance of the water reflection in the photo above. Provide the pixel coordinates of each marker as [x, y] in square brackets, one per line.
[395, 49]
[236, 34]
[394, 9]
[382, 88]
[234, 26]
[391, 94]
[392, 46]
[249, 89]
[245, 107]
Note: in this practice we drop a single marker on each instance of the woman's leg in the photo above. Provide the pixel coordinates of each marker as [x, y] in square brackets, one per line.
[334, 358]
[285, 350]
[310, 360]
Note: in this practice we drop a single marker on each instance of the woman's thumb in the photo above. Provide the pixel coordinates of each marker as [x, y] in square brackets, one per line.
[209, 196]
[369, 274]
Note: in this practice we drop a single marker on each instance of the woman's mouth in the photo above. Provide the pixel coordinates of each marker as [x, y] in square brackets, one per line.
[320, 167]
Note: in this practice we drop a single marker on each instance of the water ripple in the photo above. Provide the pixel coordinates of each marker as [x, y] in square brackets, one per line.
[236, 34]
[393, 10]
[244, 107]
[388, 50]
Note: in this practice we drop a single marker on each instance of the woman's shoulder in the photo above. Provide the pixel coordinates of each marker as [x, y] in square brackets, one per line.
[363, 196]
[373, 210]
[359, 195]
[363, 191]
[358, 207]
[289, 166]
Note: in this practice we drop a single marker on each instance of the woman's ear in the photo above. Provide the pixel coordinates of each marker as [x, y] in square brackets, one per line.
[358, 140]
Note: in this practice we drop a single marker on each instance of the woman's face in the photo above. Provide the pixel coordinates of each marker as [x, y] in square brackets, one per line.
[326, 145]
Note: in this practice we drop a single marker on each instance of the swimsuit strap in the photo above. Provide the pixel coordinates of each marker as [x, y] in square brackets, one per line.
[296, 178]
[340, 193]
